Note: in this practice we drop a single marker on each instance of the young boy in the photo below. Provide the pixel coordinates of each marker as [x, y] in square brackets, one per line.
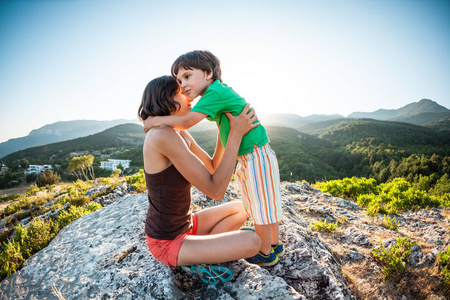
[199, 74]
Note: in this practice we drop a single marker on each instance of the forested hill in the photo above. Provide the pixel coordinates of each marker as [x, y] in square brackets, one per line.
[57, 132]
[119, 137]
[365, 148]
[412, 138]
[323, 151]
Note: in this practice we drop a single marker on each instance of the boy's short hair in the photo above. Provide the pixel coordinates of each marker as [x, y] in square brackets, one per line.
[198, 59]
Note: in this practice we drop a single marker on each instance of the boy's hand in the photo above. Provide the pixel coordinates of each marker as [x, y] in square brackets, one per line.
[148, 123]
[244, 122]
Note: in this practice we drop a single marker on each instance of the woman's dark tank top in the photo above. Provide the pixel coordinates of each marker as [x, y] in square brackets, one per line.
[169, 196]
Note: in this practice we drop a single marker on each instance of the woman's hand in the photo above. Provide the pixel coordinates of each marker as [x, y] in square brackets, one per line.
[244, 122]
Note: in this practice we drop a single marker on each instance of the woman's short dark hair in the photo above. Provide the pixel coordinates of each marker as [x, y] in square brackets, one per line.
[158, 98]
[198, 59]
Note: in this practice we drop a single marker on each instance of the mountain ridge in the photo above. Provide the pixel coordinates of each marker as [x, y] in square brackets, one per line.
[411, 109]
[58, 132]
[423, 112]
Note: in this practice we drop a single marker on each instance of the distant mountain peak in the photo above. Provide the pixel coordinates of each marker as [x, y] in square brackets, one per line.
[424, 106]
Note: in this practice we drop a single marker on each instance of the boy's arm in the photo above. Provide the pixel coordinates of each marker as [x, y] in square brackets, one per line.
[210, 163]
[177, 122]
[217, 157]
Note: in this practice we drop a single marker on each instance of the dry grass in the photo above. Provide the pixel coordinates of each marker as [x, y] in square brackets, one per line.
[364, 279]
[443, 290]
[383, 235]
[446, 213]
[21, 189]
[57, 293]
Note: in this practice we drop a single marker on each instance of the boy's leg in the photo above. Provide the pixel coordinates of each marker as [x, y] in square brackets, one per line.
[265, 234]
[221, 218]
[277, 245]
[218, 248]
[275, 227]
[266, 256]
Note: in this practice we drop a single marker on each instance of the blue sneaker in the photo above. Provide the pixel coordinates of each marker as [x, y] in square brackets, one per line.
[211, 274]
[278, 249]
[248, 228]
[261, 259]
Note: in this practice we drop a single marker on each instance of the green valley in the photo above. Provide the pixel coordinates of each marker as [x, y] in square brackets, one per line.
[319, 151]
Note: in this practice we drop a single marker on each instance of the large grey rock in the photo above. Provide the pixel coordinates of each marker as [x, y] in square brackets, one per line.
[355, 236]
[104, 255]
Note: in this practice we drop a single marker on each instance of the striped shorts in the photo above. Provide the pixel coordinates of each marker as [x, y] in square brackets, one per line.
[258, 178]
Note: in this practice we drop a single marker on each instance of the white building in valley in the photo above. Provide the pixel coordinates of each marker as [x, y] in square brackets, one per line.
[37, 169]
[3, 169]
[113, 163]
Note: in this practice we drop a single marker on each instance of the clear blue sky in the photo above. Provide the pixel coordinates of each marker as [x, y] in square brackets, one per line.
[91, 59]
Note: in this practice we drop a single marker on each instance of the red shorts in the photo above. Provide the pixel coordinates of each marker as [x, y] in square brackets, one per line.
[166, 251]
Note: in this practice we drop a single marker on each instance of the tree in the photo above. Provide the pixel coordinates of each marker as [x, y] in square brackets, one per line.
[30, 177]
[116, 173]
[82, 166]
[47, 178]
[24, 163]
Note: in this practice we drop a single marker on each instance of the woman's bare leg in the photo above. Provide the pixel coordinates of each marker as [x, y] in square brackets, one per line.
[218, 248]
[221, 218]
[218, 239]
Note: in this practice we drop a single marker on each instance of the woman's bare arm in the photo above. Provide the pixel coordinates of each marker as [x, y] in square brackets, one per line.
[191, 167]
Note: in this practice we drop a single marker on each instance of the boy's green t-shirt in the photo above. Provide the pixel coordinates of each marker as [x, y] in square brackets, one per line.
[220, 98]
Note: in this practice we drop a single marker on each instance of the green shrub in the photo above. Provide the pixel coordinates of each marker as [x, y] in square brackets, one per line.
[25, 243]
[390, 223]
[36, 236]
[10, 197]
[32, 189]
[48, 178]
[445, 200]
[79, 187]
[394, 258]
[116, 173]
[74, 212]
[323, 225]
[28, 241]
[79, 200]
[137, 181]
[386, 198]
[30, 202]
[11, 259]
[348, 188]
[444, 262]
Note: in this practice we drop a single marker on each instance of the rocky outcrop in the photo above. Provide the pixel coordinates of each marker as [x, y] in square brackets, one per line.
[104, 255]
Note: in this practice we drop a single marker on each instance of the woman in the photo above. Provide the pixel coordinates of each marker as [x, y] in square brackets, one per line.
[172, 163]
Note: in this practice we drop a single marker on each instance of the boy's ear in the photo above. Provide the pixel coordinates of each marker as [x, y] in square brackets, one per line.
[208, 75]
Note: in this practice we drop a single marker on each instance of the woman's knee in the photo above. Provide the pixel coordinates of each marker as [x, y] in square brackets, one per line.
[253, 243]
[240, 210]
[237, 206]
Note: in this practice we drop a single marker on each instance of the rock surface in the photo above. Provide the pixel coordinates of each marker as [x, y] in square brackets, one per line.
[104, 255]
